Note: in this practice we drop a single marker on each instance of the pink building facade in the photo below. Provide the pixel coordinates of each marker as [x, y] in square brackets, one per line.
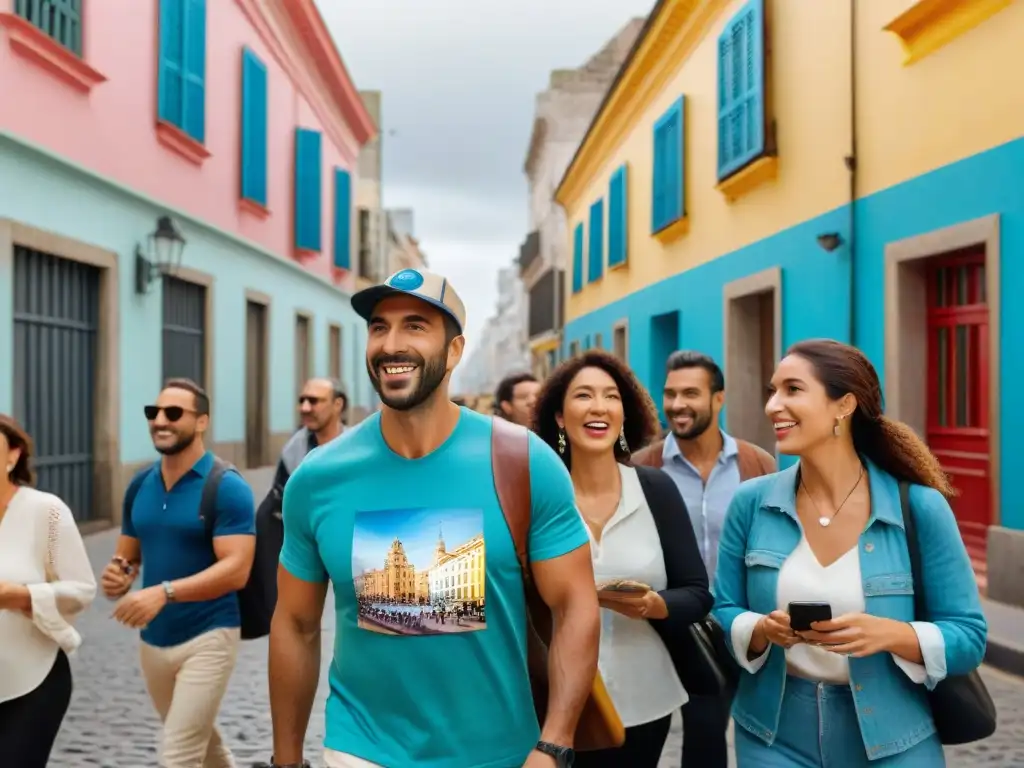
[232, 123]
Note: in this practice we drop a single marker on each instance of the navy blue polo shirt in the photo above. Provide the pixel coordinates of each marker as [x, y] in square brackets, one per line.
[175, 545]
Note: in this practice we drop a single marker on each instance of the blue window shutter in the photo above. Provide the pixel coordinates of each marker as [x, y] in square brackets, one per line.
[577, 259]
[667, 180]
[169, 79]
[194, 70]
[596, 254]
[741, 97]
[342, 219]
[307, 189]
[254, 128]
[618, 227]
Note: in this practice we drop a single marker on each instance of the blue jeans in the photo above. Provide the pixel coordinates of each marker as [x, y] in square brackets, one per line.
[818, 729]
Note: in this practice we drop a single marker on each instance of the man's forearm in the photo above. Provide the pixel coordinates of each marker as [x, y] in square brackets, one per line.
[572, 667]
[294, 670]
[224, 576]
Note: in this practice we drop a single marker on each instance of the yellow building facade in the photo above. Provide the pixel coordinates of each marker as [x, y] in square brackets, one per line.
[764, 171]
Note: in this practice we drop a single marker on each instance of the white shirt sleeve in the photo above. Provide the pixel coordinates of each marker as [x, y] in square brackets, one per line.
[70, 585]
[933, 652]
[742, 630]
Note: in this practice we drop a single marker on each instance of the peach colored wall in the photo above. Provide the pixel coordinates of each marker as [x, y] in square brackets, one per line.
[111, 130]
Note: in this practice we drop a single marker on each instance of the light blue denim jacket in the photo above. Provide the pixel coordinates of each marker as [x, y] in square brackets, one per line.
[762, 530]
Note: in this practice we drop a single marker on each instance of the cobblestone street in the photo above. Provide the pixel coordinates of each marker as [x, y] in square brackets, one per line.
[111, 722]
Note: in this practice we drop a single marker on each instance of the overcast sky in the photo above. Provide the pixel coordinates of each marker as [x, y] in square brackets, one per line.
[458, 86]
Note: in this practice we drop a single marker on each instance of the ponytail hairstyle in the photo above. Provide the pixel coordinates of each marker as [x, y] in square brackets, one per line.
[890, 444]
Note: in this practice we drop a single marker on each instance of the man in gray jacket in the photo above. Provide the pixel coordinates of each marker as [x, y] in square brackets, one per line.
[322, 406]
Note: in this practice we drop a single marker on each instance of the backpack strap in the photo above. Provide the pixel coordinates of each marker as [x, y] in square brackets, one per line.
[132, 491]
[651, 456]
[510, 464]
[208, 501]
[753, 461]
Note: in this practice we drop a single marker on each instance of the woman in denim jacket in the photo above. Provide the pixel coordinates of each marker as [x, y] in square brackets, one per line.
[852, 691]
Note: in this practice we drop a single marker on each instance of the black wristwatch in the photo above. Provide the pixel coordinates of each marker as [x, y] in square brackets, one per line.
[565, 757]
[303, 764]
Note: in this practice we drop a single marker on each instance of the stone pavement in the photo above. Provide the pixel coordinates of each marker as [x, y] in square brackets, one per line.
[111, 722]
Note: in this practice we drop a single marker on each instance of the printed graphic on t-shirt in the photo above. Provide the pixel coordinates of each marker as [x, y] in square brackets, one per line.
[419, 571]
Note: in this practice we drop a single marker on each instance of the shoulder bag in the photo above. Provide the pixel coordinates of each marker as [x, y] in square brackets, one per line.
[599, 725]
[962, 708]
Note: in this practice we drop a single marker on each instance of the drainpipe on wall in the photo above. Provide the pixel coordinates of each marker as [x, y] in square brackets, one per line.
[851, 166]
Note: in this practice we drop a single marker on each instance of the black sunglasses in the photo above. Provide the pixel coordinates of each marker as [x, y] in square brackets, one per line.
[311, 400]
[171, 412]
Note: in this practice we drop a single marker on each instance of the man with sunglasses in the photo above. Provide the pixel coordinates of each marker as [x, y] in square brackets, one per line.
[187, 608]
[322, 407]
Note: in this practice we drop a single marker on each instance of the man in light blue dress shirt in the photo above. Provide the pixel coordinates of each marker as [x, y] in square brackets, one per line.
[708, 466]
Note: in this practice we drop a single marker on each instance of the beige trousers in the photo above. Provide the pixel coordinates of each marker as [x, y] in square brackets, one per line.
[186, 684]
[334, 759]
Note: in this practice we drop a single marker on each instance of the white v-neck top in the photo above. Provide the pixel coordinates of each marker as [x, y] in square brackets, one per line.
[29, 644]
[634, 663]
[803, 578]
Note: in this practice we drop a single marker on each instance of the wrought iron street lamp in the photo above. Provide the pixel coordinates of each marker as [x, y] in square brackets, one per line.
[161, 256]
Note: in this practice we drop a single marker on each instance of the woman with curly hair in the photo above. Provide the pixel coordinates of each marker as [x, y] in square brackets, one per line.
[843, 682]
[651, 580]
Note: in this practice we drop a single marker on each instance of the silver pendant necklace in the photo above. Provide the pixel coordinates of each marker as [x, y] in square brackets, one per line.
[823, 520]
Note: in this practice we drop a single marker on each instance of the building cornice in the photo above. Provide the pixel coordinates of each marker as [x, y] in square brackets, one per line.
[672, 32]
[310, 24]
[330, 93]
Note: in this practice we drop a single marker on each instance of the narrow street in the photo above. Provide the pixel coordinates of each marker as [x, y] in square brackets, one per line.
[111, 722]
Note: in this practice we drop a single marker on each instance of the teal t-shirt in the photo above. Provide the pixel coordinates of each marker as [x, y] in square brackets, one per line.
[429, 664]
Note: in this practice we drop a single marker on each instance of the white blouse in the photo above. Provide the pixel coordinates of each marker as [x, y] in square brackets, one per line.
[633, 661]
[803, 578]
[40, 547]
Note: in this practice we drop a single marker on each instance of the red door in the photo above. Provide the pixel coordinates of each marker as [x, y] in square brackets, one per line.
[958, 389]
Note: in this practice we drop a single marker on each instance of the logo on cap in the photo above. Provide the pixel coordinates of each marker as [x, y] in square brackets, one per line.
[407, 280]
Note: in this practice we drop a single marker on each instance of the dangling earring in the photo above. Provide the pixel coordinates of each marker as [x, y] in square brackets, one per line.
[837, 429]
[561, 441]
[622, 440]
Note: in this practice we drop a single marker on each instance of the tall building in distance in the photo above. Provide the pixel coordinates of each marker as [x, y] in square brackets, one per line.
[524, 331]
[561, 117]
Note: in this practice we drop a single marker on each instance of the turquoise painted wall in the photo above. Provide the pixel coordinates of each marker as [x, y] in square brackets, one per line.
[43, 193]
[815, 284]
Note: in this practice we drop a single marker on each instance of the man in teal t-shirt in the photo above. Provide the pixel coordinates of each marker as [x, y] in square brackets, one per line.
[401, 515]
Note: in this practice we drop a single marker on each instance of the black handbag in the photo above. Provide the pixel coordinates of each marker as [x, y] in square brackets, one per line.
[715, 659]
[962, 708]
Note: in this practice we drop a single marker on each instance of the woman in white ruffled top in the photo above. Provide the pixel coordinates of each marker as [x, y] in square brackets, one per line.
[45, 581]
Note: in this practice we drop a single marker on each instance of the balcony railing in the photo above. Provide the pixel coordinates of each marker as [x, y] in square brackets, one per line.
[529, 251]
[59, 19]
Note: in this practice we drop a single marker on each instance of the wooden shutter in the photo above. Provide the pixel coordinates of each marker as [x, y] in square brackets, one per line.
[170, 86]
[342, 219]
[741, 90]
[194, 70]
[254, 128]
[577, 259]
[307, 189]
[617, 218]
[596, 244]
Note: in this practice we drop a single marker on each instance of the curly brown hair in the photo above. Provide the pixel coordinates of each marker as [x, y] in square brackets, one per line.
[21, 473]
[641, 423]
[890, 444]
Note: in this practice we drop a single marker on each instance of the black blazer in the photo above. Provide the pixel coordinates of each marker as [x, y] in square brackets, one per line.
[688, 595]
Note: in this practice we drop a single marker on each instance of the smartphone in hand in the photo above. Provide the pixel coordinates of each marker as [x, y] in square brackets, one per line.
[803, 614]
